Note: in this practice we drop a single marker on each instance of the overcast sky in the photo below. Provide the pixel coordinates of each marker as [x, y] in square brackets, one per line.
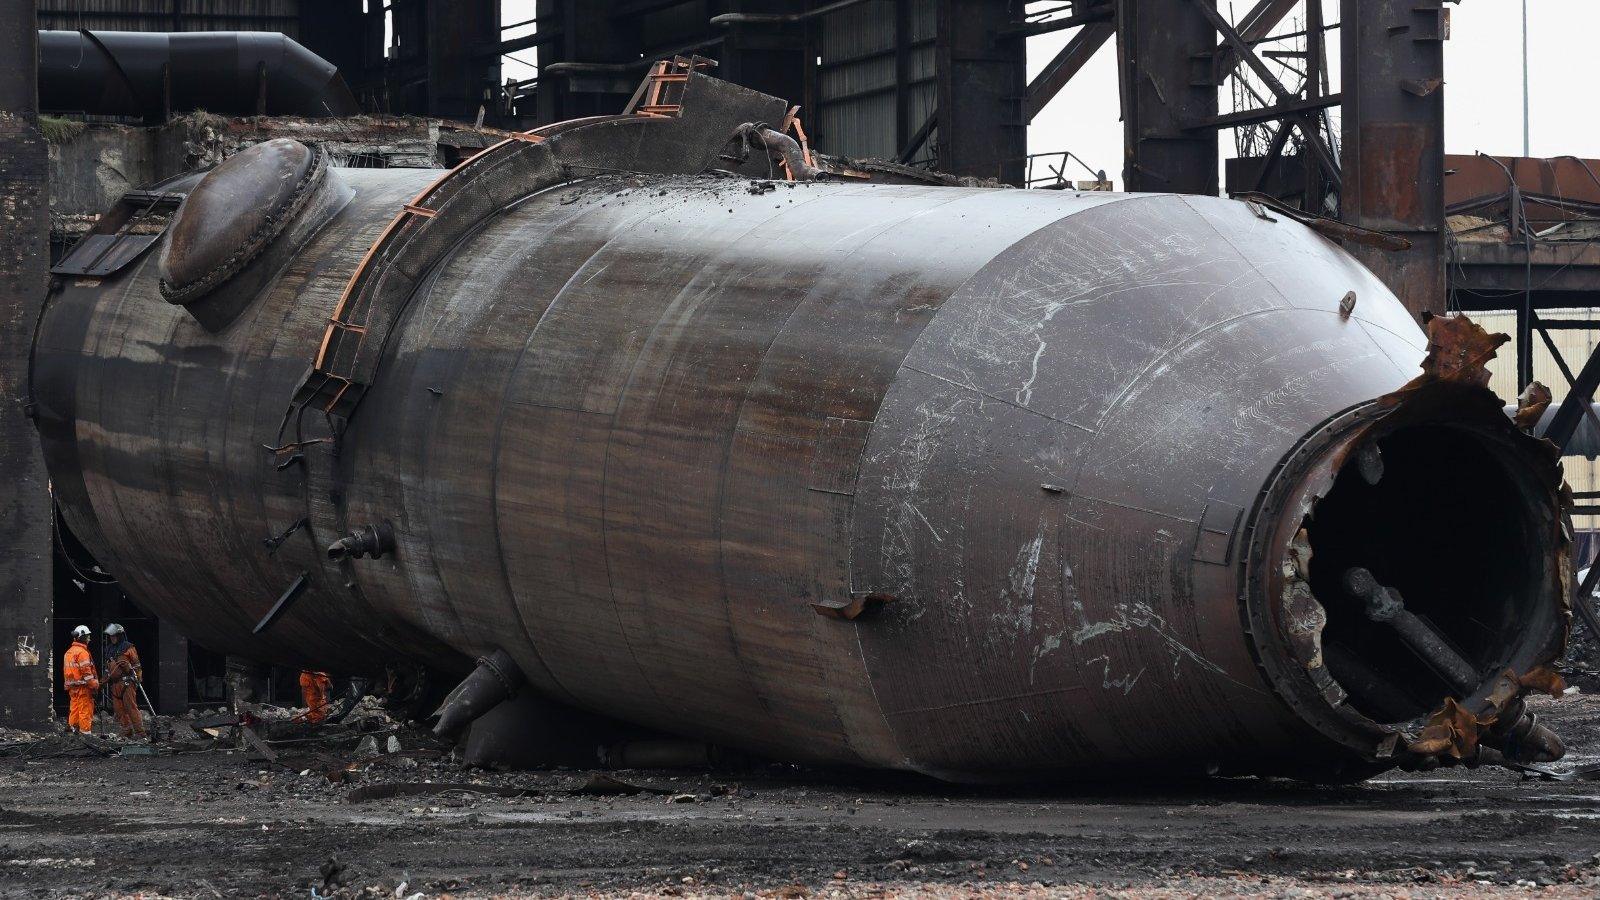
[1483, 75]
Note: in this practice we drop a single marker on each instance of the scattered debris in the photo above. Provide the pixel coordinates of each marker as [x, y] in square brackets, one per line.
[597, 785]
[249, 736]
[603, 785]
[332, 873]
[369, 793]
[781, 831]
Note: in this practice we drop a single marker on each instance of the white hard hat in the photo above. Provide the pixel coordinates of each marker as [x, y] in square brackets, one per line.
[113, 630]
[81, 633]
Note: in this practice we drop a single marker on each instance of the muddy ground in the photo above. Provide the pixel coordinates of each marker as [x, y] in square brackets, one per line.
[210, 823]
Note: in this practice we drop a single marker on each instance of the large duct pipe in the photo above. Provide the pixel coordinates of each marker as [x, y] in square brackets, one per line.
[1585, 439]
[1071, 478]
[149, 74]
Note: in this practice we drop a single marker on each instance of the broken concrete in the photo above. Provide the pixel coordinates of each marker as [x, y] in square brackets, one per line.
[92, 165]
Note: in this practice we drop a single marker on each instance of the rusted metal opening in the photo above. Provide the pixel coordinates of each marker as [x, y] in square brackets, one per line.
[1409, 563]
[1478, 587]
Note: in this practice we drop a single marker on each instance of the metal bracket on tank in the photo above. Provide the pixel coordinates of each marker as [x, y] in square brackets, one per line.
[134, 225]
[345, 364]
[1218, 522]
[290, 594]
[369, 540]
[858, 605]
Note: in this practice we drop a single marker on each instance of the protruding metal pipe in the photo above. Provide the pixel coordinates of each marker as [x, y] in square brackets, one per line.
[780, 148]
[1384, 604]
[369, 540]
[1518, 734]
[496, 678]
[781, 18]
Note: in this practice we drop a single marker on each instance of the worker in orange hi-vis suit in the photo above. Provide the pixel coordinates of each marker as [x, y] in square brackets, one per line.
[81, 681]
[315, 688]
[124, 673]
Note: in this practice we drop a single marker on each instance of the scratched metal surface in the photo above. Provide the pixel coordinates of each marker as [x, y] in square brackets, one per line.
[631, 429]
[1151, 360]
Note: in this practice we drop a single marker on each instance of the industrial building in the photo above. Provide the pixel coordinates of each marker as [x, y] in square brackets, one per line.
[731, 391]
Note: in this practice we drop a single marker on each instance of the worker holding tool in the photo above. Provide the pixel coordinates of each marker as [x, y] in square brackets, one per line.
[315, 689]
[124, 674]
[81, 681]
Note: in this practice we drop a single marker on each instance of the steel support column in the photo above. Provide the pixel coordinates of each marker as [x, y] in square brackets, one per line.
[1256, 24]
[1393, 131]
[982, 80]
[461, 77]
[1165, 52]
[1066, 65]
[172, 675]
[25, 562]
[587, 34]
[767, 58]
[337, 31]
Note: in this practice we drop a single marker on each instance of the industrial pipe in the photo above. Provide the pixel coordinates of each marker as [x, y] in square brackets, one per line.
[1583, 440]
[495, 680]
[783, 18]
[1386, 605]
[152, 74]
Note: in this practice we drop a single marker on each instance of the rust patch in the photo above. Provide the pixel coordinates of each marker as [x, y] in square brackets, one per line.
[1531, 405]
[1507, 687]
[1459, 351]
[1388, 185]
[1455, 731]
[1545, 680]
[858, 605]
[1452, 731]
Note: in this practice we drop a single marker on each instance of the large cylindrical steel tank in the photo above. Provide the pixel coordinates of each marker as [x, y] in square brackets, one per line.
[1077, 457]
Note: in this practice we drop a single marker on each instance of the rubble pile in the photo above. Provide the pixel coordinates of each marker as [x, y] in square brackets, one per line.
[366, 736]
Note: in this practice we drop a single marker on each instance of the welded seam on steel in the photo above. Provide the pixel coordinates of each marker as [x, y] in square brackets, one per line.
[777, 333]
[494, 490]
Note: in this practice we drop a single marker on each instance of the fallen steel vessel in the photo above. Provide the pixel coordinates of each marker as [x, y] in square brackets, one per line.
[663, 417]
